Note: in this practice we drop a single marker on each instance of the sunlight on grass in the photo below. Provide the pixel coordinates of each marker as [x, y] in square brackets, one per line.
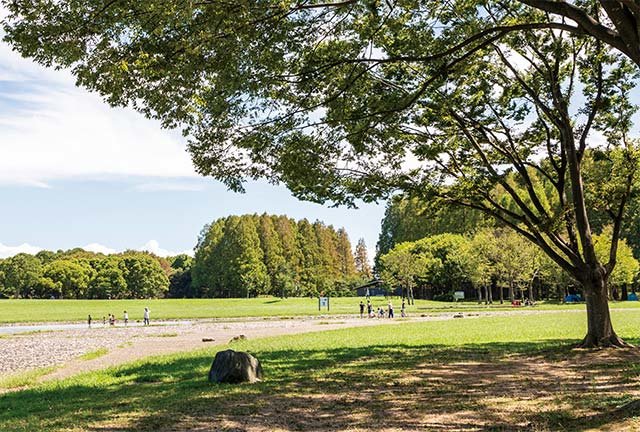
[94, 354]
[24, 379]
[325, 373]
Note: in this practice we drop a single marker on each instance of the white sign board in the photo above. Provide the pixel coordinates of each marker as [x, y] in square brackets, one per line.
[324, 301]
[458, 295]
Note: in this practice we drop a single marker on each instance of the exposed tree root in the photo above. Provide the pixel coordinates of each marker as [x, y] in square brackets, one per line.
[590, 341]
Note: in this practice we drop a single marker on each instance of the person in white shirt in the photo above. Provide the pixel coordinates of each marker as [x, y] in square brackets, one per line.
[146, 316]
[126, 319]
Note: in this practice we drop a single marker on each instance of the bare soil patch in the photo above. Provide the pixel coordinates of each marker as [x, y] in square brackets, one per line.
[571, 391]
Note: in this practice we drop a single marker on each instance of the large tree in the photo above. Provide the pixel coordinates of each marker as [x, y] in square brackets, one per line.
[356, 99]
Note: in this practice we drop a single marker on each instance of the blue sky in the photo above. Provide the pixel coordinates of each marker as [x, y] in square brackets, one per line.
[77, 173]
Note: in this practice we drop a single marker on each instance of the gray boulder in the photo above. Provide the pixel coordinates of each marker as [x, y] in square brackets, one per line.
[235, 367]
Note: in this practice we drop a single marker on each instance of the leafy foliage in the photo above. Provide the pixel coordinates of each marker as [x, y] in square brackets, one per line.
[78, 274]
[249, 255]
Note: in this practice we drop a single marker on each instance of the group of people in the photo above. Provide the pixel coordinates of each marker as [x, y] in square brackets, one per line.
[125, 317]
[380, 312]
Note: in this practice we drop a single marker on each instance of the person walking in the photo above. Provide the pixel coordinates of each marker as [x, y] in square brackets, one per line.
[403, 311]
[369, 307]
[390, 310]
[126, 319]
[89, 320]
[361, 309]
[146, 316]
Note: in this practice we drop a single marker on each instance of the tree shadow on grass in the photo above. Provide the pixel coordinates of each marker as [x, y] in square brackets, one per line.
[495, 386]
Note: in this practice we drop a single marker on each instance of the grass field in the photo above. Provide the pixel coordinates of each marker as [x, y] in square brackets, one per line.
[12, 311]
[491, 373]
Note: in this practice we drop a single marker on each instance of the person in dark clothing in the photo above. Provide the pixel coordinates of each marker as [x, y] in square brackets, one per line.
[361, 309]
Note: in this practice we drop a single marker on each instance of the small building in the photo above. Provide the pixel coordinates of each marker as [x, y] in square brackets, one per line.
[375, 288]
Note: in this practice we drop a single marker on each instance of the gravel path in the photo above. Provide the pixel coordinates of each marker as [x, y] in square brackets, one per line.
[22, 352]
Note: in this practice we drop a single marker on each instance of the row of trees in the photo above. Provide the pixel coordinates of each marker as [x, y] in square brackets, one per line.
[241, 256]
[78, 274]
[409, 218]
[236, 256]
[491, 257]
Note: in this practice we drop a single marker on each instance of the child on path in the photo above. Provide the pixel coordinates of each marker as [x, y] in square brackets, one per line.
[126, 319]
[146, 316]
[361, 309]
[89, 321]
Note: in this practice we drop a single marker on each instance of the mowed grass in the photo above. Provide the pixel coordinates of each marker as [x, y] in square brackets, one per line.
[13, 311]
[490, 373]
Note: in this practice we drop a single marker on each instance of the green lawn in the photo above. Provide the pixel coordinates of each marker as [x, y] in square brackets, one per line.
[496, 373]
[77, 310]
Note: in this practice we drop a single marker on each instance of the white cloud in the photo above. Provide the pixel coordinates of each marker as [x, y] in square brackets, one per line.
[99, 248]
[154, 247]
[50, 129]
[9, 251]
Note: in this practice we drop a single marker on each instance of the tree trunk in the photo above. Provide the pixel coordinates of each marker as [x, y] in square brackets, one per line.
[479, 289]
[511, 292]
[531, 291]
[501, 294]
[599, 329]
[490, 294]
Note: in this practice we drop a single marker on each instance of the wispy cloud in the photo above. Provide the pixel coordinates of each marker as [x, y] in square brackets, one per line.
[51, 130]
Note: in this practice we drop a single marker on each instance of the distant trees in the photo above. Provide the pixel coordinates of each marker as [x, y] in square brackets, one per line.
[79, 274]
[434, 262]
[180, 280]
[248, 255]
[236, 256]
[20, 275]
[410, 219]
[487, 259]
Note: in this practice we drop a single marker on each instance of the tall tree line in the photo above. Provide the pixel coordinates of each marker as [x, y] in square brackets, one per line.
[249, 255]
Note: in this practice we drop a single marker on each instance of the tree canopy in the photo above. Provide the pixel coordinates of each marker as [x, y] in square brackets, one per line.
[490, 105]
